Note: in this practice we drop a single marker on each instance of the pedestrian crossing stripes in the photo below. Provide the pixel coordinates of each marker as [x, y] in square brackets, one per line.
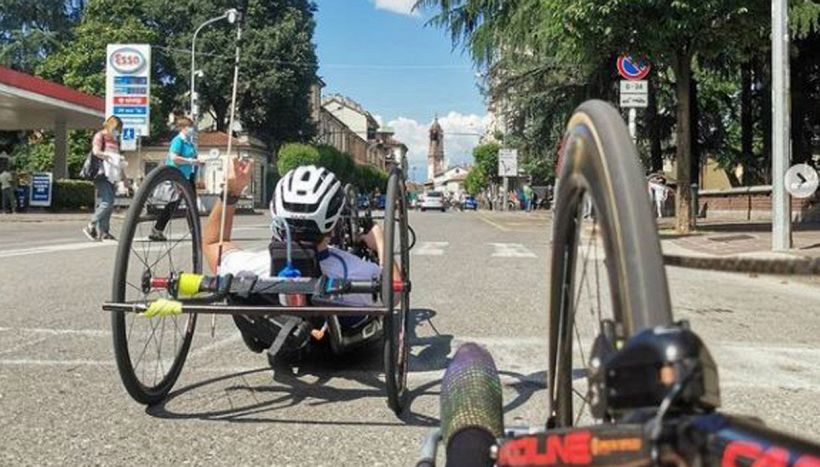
[512, 250]
[497, 250]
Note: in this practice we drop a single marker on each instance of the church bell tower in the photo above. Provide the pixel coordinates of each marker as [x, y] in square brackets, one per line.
[435, 152]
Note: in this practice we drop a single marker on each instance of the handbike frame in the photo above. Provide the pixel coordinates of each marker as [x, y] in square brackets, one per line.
[223, 286]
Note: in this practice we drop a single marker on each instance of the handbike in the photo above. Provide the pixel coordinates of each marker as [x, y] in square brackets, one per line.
[158, 292]
[627, 385]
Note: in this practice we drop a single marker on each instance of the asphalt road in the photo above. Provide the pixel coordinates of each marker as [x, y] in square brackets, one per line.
[476, 276]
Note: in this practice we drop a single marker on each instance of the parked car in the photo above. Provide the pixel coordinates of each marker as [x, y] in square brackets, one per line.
[380, 201]
[433, 200]
[470, 203]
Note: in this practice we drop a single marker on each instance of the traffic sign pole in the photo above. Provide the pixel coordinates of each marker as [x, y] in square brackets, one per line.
[633, 125]
[781, 147]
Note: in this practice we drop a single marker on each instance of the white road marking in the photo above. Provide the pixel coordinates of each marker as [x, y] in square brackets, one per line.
[59, 332]
[512, 250]
[430, 248]
[53, 249]
[787, 366]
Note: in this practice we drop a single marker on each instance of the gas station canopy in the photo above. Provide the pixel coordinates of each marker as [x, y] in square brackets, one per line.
[31, 103]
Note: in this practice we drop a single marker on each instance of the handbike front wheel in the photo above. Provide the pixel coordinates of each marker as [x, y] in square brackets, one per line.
[150, 352]
[396, 346]
[607, 270]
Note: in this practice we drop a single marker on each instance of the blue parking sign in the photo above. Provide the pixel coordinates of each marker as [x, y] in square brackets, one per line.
[40, 194]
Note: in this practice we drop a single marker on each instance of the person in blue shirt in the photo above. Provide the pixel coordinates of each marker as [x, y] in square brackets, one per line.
[183, 155]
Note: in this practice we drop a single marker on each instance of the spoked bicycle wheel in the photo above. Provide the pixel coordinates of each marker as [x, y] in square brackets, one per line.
[396, 299]
[607, 269]
[150, 352]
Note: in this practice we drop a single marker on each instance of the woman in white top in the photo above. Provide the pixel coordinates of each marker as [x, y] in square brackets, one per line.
[105, 146]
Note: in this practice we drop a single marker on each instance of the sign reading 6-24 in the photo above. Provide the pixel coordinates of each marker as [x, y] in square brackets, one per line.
[128, 60]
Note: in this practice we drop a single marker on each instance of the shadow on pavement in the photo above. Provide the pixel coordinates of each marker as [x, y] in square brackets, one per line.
[309, 384]
[246, 401]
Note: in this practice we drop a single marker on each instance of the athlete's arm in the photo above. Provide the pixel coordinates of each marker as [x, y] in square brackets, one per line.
[239, 176]
[374, 240]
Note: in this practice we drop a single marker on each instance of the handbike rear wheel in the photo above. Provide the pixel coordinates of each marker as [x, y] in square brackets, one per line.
[601, 204]
[150, 352]
[396, 321]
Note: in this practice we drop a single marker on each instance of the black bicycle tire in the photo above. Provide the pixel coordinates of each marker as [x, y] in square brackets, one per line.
[138, 391]
[395, 362]
[601, 160]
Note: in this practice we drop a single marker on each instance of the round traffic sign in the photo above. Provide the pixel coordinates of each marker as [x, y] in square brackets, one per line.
[802, 180]
[632, 69]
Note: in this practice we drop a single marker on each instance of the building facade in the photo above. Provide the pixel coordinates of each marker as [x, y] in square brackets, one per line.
[211, 145]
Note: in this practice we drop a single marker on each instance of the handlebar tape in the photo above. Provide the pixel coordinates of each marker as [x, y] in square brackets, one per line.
[471, 395]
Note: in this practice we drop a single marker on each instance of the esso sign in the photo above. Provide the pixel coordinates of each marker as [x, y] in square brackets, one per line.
[127, 61]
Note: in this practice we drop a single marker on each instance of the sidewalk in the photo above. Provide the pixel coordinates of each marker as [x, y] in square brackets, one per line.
[45, 216]
[732, 238]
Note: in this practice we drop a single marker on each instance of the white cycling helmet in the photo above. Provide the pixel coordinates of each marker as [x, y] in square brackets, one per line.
[310, 199]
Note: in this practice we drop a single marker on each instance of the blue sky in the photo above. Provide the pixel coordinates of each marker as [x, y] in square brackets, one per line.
[383, 56]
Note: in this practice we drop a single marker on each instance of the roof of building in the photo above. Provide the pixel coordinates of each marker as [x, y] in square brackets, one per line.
[436, 126]
[35, 103]
[218, 139]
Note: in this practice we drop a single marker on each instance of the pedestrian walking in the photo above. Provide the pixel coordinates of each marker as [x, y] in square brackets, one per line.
[529, 196]
[106, 147]
[7, 191]
[658, 192]
[182, 155]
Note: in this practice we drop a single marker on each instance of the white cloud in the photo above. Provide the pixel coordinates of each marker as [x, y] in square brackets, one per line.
[461, 135]
[402, 7]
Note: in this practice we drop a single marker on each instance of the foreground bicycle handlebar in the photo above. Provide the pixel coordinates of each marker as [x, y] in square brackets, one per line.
[683, 429]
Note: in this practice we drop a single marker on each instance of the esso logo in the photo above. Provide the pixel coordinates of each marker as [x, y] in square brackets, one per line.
[127, 61]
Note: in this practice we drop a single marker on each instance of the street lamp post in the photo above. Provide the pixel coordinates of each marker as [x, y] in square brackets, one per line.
[230, 15]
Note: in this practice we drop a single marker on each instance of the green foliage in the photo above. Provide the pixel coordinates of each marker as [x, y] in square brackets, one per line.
[31, 30]
[80, 63]
[37, 155]
[293, 155]
[278, 63]
[486, 159]
[475, 181]
[72, 195]
[339, 163]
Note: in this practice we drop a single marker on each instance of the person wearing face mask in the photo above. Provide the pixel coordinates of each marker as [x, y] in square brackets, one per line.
[182, 155]
[105, 146]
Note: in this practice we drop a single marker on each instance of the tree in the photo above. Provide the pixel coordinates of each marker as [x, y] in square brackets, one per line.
[589, 34]
[80, 63]
[278, 65]
[293, 155]
[31, 30]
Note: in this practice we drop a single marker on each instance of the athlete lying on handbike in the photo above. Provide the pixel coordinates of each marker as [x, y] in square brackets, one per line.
[309, 200]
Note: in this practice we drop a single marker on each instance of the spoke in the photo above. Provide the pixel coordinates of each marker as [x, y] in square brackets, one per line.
[169, 250]
[150, 338]
[580, 412]
[580, 344]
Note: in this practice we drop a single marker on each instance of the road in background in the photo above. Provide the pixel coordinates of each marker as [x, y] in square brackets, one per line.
[476, 277]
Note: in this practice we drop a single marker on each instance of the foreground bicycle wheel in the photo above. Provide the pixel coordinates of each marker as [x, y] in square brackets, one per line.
[396, 348]
[150, 352]
[607, 269]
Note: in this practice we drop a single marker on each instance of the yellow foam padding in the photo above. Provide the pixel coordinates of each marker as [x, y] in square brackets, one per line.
[162, 308]
[189, 284]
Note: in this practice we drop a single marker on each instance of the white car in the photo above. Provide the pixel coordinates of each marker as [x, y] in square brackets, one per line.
[433, 200]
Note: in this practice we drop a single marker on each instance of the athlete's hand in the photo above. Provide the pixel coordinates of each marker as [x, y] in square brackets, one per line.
[240, 172]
